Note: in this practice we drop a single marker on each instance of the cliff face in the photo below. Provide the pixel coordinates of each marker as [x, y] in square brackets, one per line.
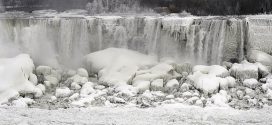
[196, 7]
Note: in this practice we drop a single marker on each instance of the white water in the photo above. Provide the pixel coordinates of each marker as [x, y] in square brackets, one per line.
[65, 39]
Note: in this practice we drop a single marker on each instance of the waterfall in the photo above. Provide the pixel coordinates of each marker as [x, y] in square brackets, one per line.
[65, 40]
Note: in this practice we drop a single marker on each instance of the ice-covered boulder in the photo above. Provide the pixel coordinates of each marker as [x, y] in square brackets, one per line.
[160, 71]
[87, 89]
[142, 85]
[263, 70]
[259, 56]
[82, 72]
[117, 66]
[172, 85]
[14, 77]
[157, 85]
[245, 70]
[63, 92]
[205, 82]
[215, 70]
[251, 83]
[221, 99]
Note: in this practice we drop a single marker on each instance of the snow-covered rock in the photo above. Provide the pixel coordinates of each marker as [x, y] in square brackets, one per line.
[117, 66]
[63, 92]
[216, 70]
[33, 78]
[220, 99]
[127, 90]
[172, 84]
[75, 86]
[22, 102]
[251, 83]
[82, 72]
[259, 56]
[245, 70]
[142, 85]
[205, 82]
[74, 96]
[162, 70]
[157, 85]
[87, 89]
[184, 87]
[41, 87]
[263, 70]
[43, 70]
[14, 77]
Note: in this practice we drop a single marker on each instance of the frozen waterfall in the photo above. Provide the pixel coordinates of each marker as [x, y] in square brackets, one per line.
[53, 40]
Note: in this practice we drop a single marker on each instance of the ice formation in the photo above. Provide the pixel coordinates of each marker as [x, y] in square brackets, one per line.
[15, 73]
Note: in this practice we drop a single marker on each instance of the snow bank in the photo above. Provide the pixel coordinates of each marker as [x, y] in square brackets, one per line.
[116, 66]
[14, 77]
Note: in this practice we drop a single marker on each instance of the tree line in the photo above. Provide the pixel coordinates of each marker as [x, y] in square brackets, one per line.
[196, 7]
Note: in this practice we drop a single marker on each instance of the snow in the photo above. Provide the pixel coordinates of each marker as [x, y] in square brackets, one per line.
[15, 73]
[116, 66]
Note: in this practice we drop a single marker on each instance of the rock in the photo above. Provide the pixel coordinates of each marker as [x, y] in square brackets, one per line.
[228, 65]
[259, 56]
[172, 85]
[231, 82]
[22, 102]
[205, 82]
[250, 92]
[78, 79]
[99, 87]
[75, 86]
[179, 100]
[74, 96]
[224, 84]
[184, 87]
[53, 98]
[157, 85]
[142, 85]
[199, 103]
[251, 83]
[53, 80]
[63, 92]
[181, 68]
[264, 88]
[113, 99]
[263, 80]
[71, 73]
[41, 87]
[220, 99]
[240, 94]
[215, 70]
[38, 93]
[263, 70]
[43, 70]
[269, 94]
[87, 89]
[244, 71]
[187, 94]
[82, 72]
[192, 100]
[170, 97]
[33, 79]
[126, 90]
